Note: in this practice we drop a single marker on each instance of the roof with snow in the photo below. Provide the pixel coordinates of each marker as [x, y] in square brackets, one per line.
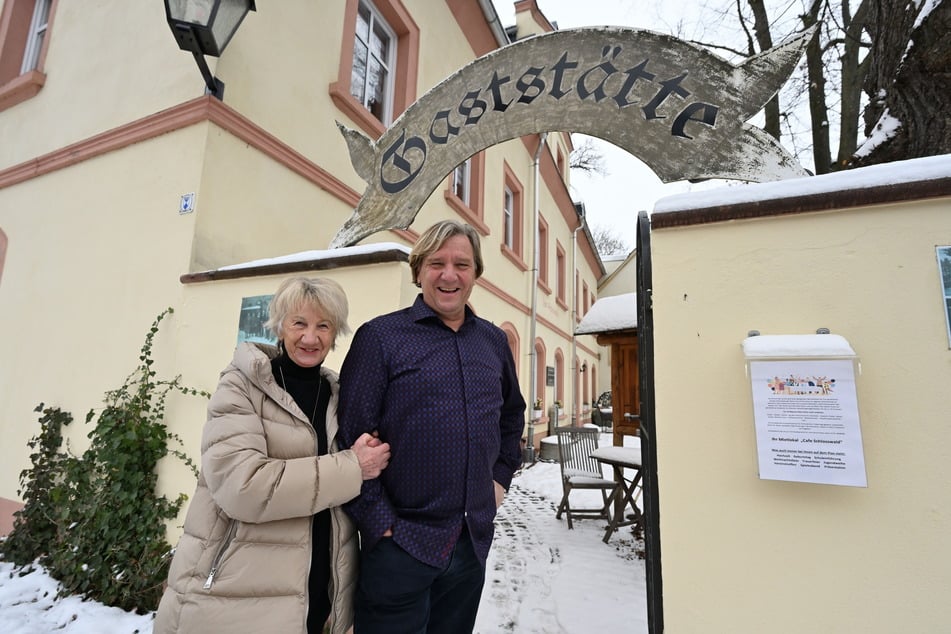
[610, 314]
[914, 179]
[316, 260]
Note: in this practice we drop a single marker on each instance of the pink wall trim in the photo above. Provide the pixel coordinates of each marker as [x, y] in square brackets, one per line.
[205, 108]
[471, 20]
[7, 509]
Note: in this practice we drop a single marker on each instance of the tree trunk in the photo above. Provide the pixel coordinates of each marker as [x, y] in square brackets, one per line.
[853, 75]
[764, 40]
[818, 110]
[910, 78]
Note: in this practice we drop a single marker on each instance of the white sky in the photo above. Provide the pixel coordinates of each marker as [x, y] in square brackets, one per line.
[541, 577]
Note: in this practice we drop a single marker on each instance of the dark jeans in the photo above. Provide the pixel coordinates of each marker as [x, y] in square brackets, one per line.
[398, 594]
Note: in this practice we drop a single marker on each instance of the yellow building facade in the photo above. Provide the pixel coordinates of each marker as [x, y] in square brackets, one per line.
[124, 190]
[854, 253]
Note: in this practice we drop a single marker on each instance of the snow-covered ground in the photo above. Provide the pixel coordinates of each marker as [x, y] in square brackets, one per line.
[541, 577]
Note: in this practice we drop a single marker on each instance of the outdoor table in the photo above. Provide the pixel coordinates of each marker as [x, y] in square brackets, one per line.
[621, 458]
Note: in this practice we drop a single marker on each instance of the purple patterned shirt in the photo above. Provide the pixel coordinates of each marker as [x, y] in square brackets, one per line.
[449, 405]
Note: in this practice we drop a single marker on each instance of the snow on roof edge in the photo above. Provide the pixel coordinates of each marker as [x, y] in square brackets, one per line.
[908, 171]
[323, 254]
[610, 314]
[797, 346]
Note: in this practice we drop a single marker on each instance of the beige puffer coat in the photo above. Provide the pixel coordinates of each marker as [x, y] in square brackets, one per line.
[243, 561]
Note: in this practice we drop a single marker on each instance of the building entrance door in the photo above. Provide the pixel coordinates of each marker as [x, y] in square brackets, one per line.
[625, 399]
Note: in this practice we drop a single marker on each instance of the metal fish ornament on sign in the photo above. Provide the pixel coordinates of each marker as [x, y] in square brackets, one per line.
[675, 106]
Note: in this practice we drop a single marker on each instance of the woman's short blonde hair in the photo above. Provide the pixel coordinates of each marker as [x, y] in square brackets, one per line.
[320, 293]
[432, 240]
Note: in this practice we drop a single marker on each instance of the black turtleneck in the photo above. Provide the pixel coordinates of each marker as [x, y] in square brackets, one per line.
[302, 384]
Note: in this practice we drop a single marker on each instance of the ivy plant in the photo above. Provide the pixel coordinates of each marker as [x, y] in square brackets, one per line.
[104, 530]
[34, 526]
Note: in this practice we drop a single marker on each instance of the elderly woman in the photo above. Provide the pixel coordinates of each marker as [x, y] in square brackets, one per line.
[266, 546]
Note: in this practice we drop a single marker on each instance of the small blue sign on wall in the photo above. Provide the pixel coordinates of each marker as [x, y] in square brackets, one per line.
[187, 203]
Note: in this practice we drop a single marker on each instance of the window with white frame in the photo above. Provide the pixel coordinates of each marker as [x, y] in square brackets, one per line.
[543, 252]
[462, 181]
[560, 268]
[34, 41]
[944, 269]
[508, 218]
[374, 52]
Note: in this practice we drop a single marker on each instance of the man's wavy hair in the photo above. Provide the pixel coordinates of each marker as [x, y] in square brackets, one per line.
[433, 239]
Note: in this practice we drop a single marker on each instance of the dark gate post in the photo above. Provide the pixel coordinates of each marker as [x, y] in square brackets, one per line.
[645, 347]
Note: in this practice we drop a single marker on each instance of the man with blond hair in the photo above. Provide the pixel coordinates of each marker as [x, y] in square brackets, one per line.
[439, 385]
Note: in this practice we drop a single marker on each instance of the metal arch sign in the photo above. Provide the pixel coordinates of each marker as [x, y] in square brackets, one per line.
[675, 106]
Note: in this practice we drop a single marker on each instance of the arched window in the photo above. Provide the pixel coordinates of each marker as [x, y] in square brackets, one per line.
[512, 336]
[592, 383]
[560, 377]
[586, 394]
[577, 379]
[539, 377]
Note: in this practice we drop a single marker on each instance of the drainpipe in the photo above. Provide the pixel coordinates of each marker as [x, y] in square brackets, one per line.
[492, 17]
[533, 361]
[576, 411]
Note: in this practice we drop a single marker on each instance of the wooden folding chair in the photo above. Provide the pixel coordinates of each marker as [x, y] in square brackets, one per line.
[579, 471]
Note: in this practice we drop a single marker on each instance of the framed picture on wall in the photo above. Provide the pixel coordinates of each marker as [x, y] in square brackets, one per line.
[944, 270]
[252, 318]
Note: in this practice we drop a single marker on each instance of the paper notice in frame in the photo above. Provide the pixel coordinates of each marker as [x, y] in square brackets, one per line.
[807, 421]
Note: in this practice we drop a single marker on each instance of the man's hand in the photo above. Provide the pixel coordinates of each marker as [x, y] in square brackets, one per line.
[372, 454]
[499, 494]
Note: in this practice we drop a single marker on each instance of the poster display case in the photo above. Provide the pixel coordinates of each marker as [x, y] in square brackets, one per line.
[805, 409]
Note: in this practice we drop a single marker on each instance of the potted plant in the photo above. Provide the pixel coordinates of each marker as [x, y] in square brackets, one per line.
[537, 409]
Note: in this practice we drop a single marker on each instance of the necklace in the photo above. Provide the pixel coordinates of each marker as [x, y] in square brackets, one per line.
[320, 386]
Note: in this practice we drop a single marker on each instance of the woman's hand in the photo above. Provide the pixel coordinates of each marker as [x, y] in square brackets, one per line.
[372, 454]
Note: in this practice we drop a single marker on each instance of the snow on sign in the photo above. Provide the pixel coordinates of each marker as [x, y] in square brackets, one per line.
[805, 410]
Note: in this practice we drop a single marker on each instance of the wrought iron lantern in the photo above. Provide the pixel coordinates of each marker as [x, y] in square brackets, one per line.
[204, 27]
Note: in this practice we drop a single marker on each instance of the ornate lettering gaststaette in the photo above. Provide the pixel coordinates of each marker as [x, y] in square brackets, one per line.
[678, 108]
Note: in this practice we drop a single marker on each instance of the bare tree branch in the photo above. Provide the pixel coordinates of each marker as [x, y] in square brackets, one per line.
[609, 242]
[588, 159]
